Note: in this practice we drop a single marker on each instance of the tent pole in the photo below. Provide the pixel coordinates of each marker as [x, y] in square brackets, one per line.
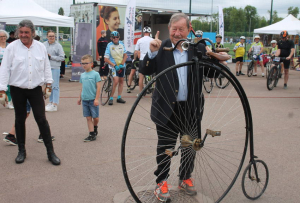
[57, 33]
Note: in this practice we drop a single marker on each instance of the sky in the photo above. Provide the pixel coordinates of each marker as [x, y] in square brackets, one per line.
[198, 6]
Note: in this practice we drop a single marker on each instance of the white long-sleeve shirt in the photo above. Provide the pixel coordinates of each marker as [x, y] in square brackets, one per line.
[25, 67]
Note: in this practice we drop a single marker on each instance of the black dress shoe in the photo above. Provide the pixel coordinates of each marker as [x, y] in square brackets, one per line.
[53, 158]
[21, 157]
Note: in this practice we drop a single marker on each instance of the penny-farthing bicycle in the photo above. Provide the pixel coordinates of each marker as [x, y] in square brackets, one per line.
[215, 130]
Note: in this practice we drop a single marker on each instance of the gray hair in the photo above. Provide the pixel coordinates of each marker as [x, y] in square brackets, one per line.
[6, 34]
[102, 32]
[26, 23]
[177, 17]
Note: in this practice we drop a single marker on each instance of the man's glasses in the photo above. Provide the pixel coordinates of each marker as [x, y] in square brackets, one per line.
[2, 36]
[84, 63]
[51, 36]
[198, 35]
[115, 37]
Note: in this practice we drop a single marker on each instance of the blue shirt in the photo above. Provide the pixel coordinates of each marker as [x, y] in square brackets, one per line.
[179, 57]
[89, 84]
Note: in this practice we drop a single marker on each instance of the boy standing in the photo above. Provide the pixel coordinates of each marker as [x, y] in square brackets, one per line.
[89, 95]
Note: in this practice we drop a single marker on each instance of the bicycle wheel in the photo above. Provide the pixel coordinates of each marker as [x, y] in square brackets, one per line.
[133, 83]
[253, 187]
[268, 68]
[221, 82]
[106, 90]
[147, 79]
[250, 69]
[271, 78]
[146, 145]
[208, 84]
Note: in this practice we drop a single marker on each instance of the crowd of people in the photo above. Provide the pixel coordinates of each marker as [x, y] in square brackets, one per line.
[27, 65]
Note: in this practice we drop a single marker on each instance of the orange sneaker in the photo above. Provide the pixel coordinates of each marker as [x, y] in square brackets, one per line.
[187, 186]
[162, 192]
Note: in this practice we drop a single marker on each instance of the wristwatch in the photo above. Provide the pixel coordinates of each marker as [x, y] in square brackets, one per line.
[47, 85]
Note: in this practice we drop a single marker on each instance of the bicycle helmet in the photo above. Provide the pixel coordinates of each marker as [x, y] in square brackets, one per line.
[284, 34]
[257, 36]
[242, 37]
[199, 32]
[218, 35]
[114, 34]
[273, 41]
[147, 29]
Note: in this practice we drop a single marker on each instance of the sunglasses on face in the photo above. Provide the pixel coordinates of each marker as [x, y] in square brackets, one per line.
[84, 64]
[198, 35]
[115, 37]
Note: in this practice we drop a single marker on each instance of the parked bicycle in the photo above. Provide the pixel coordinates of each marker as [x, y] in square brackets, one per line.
[106, 88]
[136, 78]
[250, 66]
[275, 73]
[216, 138]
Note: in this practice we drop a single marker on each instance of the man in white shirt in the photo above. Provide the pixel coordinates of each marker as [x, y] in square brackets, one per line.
[141, 46]
[26, 68]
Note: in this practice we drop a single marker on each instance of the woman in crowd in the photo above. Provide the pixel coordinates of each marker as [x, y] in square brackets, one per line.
[3, 44]
[56, 56]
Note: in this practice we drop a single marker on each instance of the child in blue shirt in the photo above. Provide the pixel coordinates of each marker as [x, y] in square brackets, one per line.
[89, 96]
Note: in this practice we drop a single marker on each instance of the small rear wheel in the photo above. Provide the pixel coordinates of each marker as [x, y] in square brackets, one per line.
[255, 179]
[250, 69]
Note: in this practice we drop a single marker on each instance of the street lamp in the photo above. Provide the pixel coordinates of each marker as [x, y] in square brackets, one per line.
[271, 12]
[212, 3]
[190, 9]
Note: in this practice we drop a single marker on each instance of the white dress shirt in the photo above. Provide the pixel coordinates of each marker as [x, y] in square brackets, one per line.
[179, 57]
[25, 67]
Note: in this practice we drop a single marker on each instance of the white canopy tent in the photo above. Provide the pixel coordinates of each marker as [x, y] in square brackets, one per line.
[290, 24]
[14, 11]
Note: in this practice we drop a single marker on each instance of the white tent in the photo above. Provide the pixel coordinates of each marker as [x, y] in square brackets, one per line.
[14, 11]
[290, 24]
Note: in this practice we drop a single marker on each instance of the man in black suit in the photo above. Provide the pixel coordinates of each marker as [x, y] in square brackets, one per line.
[173, 107]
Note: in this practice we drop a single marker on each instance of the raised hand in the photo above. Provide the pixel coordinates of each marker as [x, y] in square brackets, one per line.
[156, 43]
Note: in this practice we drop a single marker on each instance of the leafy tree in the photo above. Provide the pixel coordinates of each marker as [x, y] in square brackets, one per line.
[61, 11]
[293, 11]
[250, 13]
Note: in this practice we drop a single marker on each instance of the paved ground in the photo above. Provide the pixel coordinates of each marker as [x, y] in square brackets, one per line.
[91, 172]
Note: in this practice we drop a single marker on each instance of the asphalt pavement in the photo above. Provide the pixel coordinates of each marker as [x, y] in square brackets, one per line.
[91, 172]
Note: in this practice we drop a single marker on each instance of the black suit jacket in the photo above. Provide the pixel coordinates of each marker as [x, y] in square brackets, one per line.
[166, 88]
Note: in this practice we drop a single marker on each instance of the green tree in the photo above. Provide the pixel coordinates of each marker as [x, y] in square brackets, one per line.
[61, 11]
[250, 13]
[293, 11]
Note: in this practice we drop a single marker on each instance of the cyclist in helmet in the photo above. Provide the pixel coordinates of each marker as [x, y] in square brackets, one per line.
[218, 41]
[198, 36]
[274, 47]
[239, 50]
[141, 47]
[257, 48]
[286, 49]
[115, 55]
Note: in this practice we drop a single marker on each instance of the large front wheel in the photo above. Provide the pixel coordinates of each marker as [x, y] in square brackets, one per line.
[162, 140]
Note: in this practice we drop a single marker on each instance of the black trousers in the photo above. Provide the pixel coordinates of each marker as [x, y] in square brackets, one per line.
[63, 67]
[103, 70]
[167, 137]
[36, 100]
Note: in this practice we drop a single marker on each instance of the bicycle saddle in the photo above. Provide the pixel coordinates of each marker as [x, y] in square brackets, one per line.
[217, 56]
